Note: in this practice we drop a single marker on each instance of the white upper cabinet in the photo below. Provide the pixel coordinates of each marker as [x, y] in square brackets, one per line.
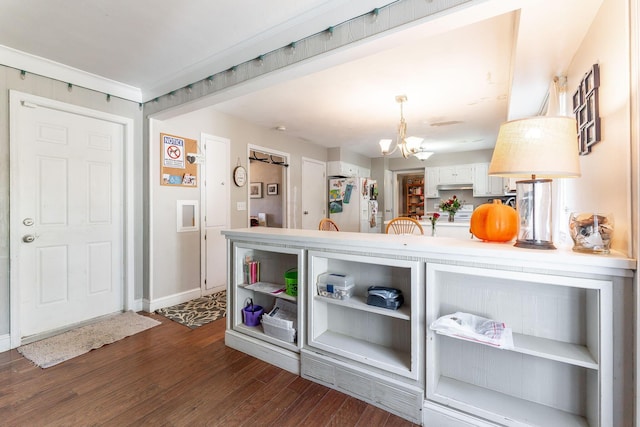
[337, 168]
[433, 179]
[485, 185]
[476, 174]
[460, 174]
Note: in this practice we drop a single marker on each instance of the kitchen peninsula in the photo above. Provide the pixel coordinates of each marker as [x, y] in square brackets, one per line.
[458, 228]
[571, 315]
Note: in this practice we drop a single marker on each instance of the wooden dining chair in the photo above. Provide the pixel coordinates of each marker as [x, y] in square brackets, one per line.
[403, 225]
[327, 224]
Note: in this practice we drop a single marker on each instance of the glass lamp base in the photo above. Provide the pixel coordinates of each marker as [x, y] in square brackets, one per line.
[532, 244]
[533, 203]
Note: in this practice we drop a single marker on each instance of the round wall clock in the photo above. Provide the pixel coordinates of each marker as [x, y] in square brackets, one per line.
[240, 176]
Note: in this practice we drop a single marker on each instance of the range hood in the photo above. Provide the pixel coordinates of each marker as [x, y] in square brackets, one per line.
[445, 187]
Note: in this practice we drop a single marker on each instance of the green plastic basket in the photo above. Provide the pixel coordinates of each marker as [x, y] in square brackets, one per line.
[291, 282]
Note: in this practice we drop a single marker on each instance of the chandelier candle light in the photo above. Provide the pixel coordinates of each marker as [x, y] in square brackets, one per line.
[409, 146]
[539, 148]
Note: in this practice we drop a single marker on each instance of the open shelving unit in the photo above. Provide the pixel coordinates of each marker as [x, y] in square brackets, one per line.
[415, 197]
[274, 262]
[368, 352]
[559, 371]
[385, 339]
[565, 367]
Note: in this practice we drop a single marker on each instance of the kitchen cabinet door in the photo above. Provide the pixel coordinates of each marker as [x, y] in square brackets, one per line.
[480, 181]
[460, 174]
[433, 179]
[485, 185]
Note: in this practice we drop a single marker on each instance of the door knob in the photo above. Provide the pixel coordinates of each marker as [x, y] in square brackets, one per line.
[28, 238]
[28, 222]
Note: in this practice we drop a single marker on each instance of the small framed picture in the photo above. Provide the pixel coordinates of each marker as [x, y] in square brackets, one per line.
[272, 189]
[255, 190]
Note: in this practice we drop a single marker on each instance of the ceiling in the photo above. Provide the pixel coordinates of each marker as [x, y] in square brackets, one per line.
[463, 73]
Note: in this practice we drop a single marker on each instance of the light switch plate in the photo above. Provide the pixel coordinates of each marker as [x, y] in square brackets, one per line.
[241, 206]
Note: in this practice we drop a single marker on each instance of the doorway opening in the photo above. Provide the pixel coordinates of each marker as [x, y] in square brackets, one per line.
[268, 178]
[409, 193]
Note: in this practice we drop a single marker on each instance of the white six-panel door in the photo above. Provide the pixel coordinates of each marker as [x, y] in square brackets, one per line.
[215, 214]
[69, 226]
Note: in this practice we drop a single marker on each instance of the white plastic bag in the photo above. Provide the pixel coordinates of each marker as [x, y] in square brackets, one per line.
[474, 328]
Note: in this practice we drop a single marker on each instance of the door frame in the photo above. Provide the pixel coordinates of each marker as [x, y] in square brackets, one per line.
[303, 189]
[16, 99]
[397, 186]
[286, 223]
[204, 137]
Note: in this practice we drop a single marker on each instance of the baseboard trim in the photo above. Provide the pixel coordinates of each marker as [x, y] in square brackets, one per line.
[5, 342]
[138, 305]
[168, 301]
[269, 353]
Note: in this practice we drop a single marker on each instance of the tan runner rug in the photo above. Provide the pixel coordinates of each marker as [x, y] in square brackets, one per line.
[51, 351]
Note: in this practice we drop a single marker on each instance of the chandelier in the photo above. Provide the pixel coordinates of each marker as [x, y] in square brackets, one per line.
[409, 146]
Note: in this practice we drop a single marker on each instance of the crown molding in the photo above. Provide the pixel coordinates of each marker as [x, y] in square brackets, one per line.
[54, 70]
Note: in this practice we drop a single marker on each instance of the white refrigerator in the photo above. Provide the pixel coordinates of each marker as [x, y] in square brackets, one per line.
[353, 204]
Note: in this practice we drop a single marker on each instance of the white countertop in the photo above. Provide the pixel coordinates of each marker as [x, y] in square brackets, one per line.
[443, 249]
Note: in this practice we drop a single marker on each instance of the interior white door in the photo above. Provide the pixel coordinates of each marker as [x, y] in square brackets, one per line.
[215, 215]
[68, 229]
[389, 212]
[314, 193]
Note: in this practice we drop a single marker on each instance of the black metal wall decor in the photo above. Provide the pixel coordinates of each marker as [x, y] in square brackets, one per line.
[585, 108]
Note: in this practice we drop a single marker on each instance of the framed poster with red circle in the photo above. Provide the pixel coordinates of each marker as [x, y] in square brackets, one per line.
[176, 169]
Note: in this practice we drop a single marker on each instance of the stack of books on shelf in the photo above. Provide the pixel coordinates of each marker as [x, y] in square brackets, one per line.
[251, 271]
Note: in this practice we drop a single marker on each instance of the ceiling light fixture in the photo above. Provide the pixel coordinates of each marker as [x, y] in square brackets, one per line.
[409, 146]
[423, 155]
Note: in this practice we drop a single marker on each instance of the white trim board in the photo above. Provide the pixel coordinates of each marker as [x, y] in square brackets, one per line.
[152, 305]
[5, 342]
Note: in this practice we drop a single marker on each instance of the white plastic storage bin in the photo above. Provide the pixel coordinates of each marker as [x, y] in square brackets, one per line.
[281, 321]
[335, 285]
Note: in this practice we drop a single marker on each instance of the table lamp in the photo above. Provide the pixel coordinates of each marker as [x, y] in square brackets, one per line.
[539, 148]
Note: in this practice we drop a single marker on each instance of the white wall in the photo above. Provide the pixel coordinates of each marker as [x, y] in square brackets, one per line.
[605, 185]
[175, 257]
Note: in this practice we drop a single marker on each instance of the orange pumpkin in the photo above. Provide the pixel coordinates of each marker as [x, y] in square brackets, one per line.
[494, 222]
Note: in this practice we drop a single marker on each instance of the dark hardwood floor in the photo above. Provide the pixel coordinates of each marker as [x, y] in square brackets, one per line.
[170, 375]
